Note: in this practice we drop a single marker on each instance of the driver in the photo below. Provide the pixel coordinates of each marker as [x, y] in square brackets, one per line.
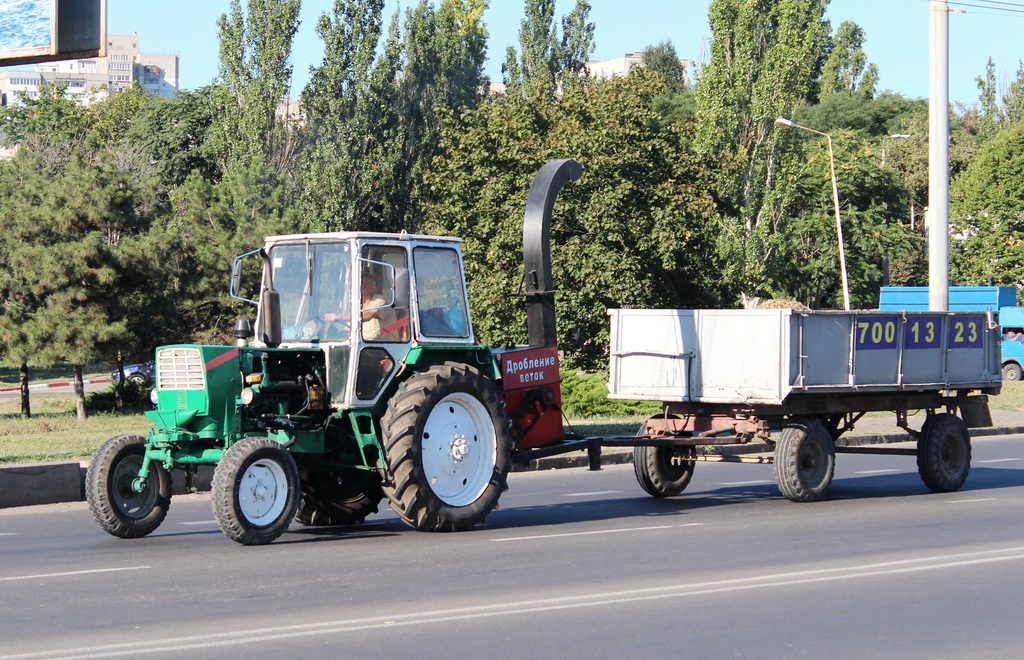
[373, 319]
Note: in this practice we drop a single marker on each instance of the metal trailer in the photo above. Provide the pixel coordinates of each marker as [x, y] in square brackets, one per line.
[797, 380]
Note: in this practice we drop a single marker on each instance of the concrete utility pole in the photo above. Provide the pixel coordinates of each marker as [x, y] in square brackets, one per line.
[938, 158]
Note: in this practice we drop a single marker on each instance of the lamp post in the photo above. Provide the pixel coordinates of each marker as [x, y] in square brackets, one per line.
[894, 136]
[788, 123]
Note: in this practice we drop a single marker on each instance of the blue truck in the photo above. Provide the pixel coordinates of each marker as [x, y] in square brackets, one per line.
[1001, 299]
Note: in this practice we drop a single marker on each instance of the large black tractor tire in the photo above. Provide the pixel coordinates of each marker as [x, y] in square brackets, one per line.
[944, 453]
[347, 499]
[805, 460]
[255, 491]
[448, 446]
[115, 505]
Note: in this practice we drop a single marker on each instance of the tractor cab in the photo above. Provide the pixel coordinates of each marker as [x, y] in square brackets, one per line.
[366, 299]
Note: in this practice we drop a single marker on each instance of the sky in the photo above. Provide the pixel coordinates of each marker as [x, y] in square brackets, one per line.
[897, 35]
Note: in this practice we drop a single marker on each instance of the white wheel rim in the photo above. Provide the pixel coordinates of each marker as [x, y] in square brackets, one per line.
[459, 449]
[263, 492]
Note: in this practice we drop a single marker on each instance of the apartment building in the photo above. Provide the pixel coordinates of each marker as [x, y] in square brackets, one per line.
[93, 79]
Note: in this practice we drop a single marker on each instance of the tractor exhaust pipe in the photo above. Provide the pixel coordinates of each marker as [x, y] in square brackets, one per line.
[540, 291]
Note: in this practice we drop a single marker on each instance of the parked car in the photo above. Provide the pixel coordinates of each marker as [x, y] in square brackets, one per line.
[143, 373]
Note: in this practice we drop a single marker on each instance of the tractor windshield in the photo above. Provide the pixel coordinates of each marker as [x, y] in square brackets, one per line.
[315, 285]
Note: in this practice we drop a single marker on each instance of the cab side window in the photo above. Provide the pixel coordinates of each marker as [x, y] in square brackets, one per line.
[440, 293]
[384, 316]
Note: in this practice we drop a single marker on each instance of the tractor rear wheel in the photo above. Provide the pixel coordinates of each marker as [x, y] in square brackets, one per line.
[448, 446]
[115, 504]
[346, 499]
[255, 490]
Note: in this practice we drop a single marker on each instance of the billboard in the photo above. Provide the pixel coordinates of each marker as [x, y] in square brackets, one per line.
[47, 30]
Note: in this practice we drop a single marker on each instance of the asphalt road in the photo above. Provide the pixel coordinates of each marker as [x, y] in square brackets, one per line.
[575, 564]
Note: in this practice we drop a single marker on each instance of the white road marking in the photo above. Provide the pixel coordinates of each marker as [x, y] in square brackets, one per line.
[980, 499]
[595, 492]
[69, 573]
[600, 531]
[8, 533]
[516, 608]
[746, 483]
[998, 460]
[199, 522]
[878, 471]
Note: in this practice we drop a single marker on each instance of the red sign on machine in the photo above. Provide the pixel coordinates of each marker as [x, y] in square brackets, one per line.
[529, 367]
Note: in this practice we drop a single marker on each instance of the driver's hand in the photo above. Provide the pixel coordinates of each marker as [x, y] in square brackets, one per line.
[331, 316]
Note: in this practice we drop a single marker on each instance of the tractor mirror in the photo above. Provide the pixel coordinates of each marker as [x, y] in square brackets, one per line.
[270, 318]
[401, 288]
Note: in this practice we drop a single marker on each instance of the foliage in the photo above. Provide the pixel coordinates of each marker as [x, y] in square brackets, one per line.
[633, 232]
[374, 121]
[845, 68]
[546, 63]
[763, 59]
[135, 397]
[255, 47]
[872, 204]
[586, 395]
[987, 215]
[192, 249]
[663, 60]
[174, 135]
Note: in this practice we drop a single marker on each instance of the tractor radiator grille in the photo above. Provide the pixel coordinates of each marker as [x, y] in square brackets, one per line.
[180, 369]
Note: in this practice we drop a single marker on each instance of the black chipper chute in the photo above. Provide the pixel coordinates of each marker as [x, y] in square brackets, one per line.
[540, 293]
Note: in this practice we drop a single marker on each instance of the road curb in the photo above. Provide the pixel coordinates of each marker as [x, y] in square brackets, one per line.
[38, 386]
[54, 483]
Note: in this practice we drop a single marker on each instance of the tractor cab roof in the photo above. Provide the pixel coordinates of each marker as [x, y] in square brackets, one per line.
[363, 235]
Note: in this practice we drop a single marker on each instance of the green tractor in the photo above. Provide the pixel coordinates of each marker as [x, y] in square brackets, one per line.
[362, 380]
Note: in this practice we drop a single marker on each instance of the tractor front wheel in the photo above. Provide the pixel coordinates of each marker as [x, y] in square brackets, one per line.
[255, 491]
[448, 444]
[110, 486]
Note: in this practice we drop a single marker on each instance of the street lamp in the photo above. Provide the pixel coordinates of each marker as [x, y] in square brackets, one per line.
[894, 136]
[789, 123]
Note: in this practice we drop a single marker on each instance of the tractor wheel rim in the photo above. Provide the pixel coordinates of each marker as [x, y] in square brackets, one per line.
[262, 492]
[130, 502]
[459, 449]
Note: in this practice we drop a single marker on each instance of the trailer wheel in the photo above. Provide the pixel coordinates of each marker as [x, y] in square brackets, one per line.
[944, 453]
[805, 460]
[116, 506]
[255, 490]
[663, 471]
[1012, 371]
[326, 502]
[448, 444]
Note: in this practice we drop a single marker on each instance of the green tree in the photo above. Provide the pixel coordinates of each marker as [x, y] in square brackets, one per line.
[634, 231]
[663, 60]
[987, 214]
[51, 125]
[845, 68]
[872, 209]
[173, 134]
[988, 95]
[763, 58]
[64, 239]
[255, 47]
[546, 61]
[374, 116]
[210, 223]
